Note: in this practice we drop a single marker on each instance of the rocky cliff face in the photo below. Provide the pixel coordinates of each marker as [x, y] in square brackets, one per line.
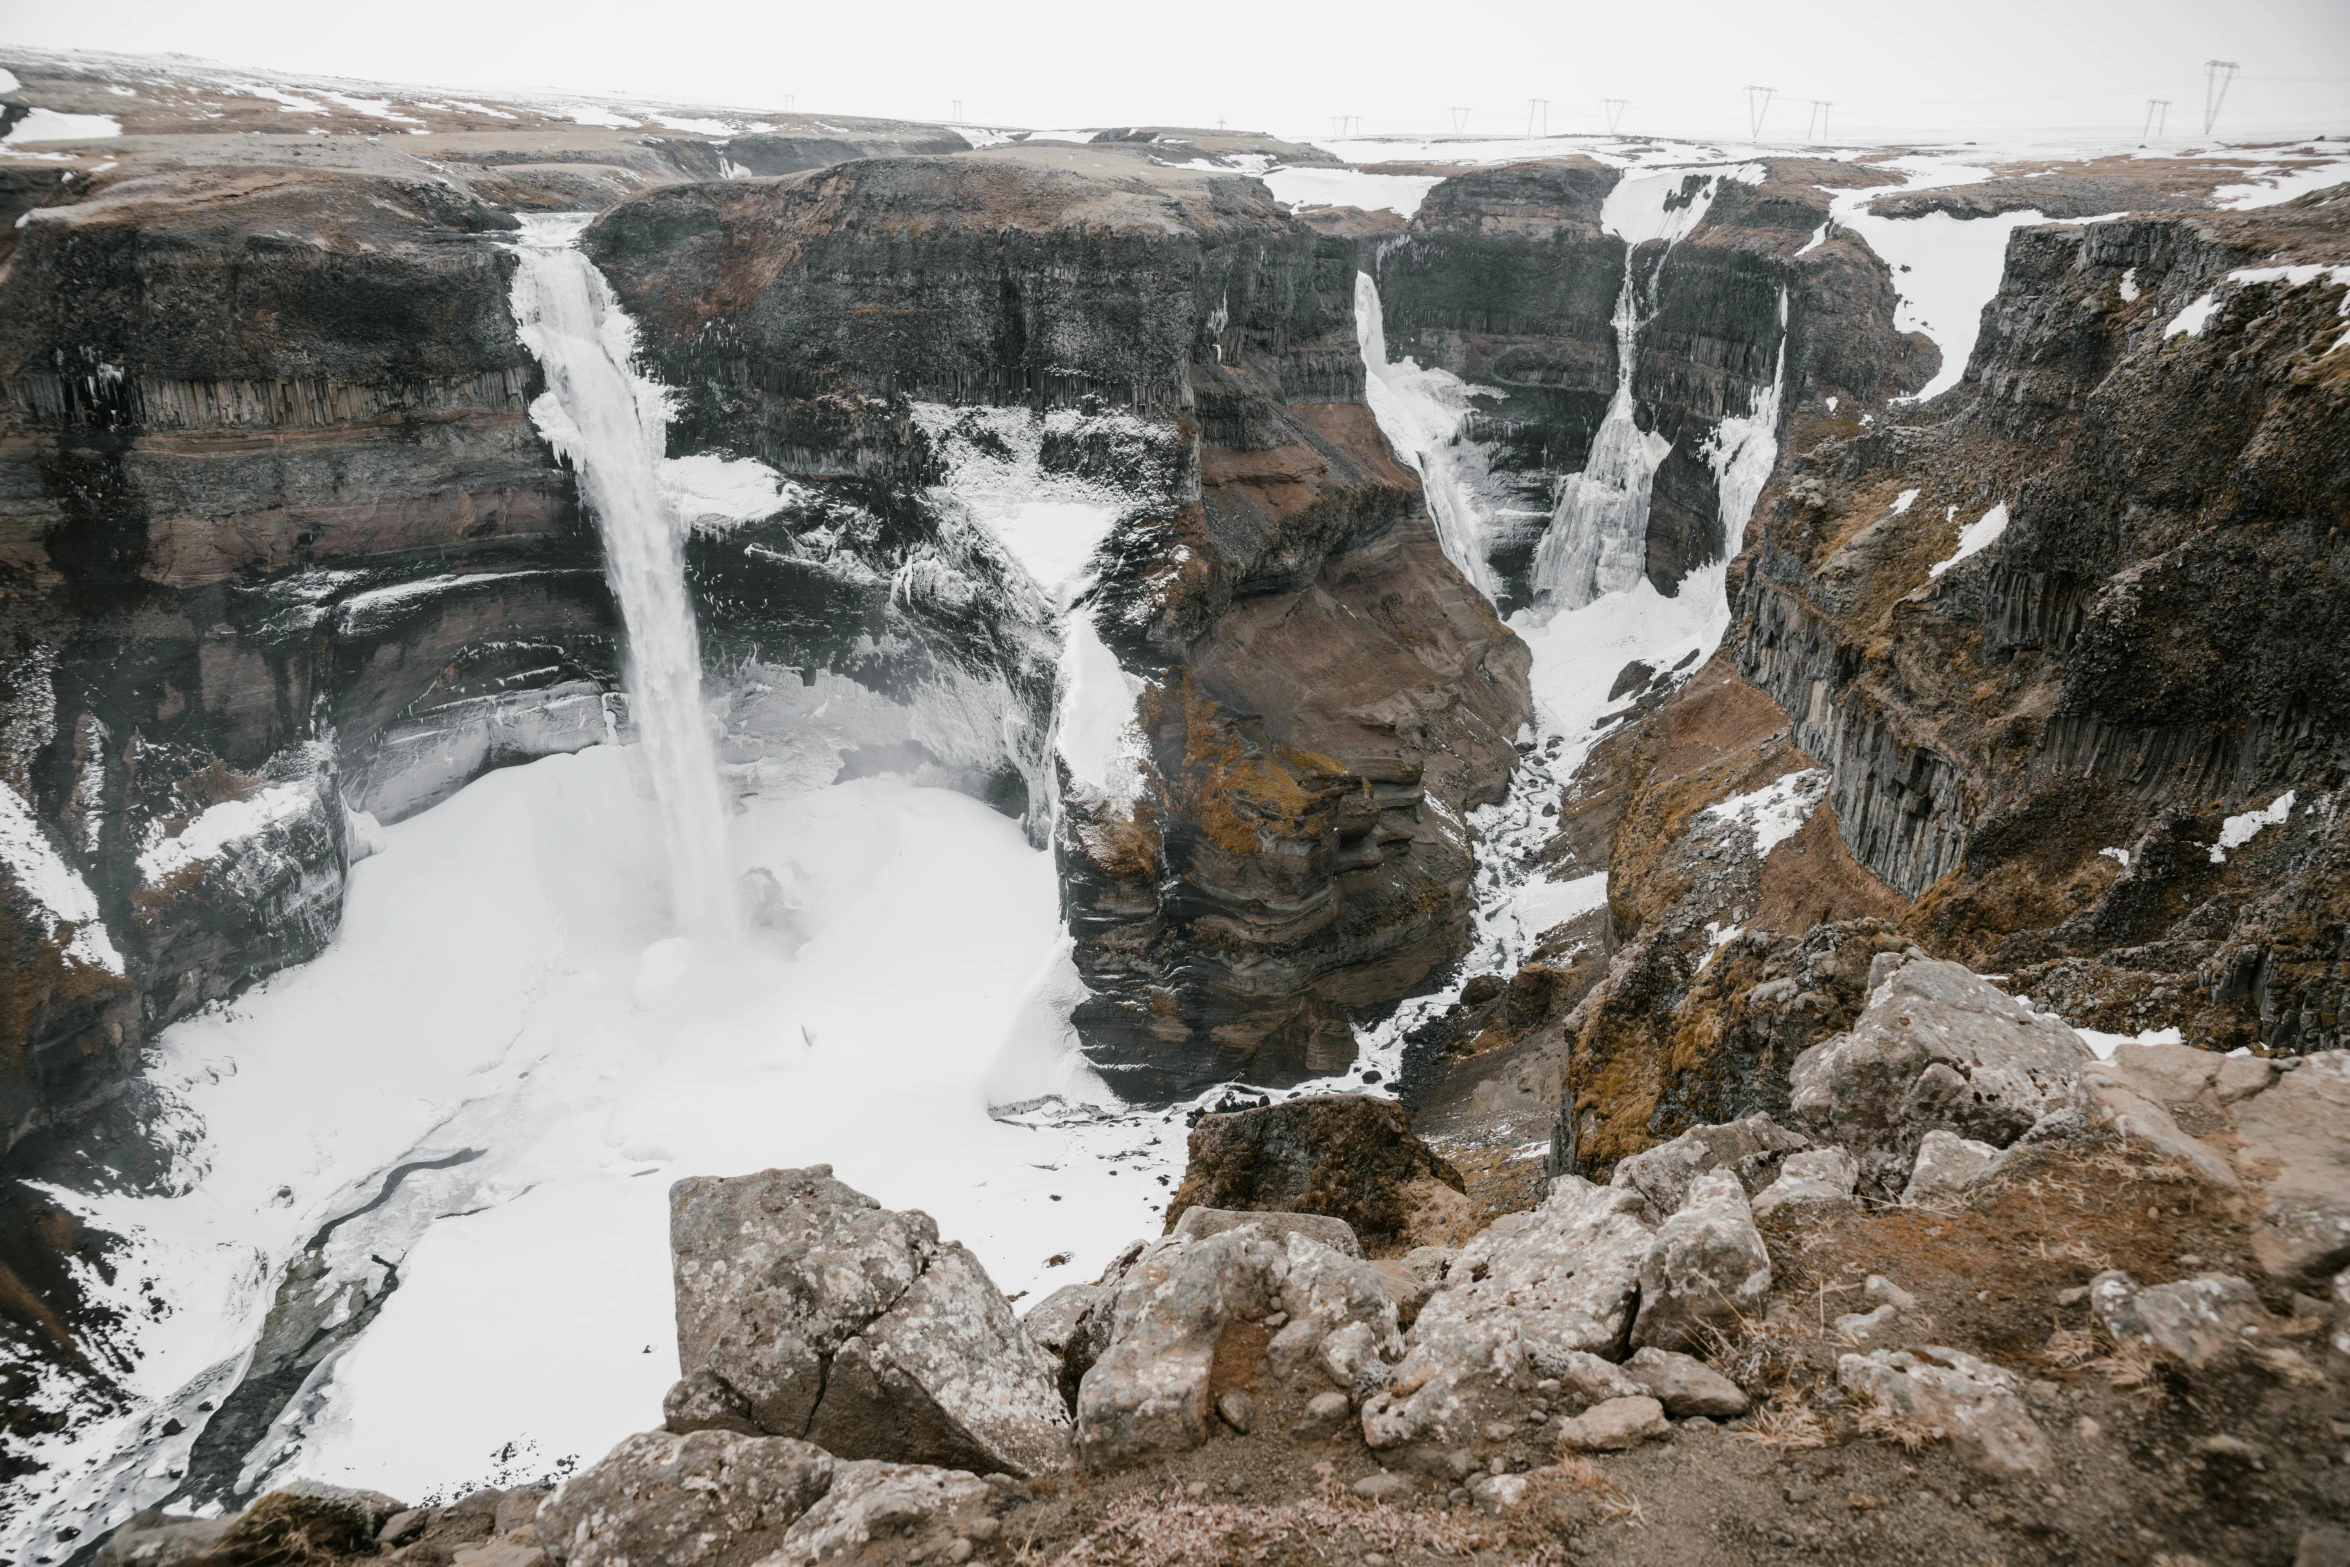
[276, 533]
[2059, 633]
[1507, 278]
[1315, 694]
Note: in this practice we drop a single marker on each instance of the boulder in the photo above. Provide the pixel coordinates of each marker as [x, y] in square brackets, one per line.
[1148, 1392]
[1943, 1392]
[1751, 1147]
[1936, 1047]
[1708, 1267]
[1818, 1180]
[1350, 1156]
[1408, 1289]
[2279, 1131]
[1503, 1493]
[1614, 1426]
[2192, 1324]
[1337, 1234]
[155, 1539]
[1947, 1164]
[1537, 1296]
[806, 1309]
[1567, 1271]
[1684, 1384]
[879, 1512]
[700, 1499]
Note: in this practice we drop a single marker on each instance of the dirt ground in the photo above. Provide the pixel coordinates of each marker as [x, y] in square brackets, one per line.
[2137, 1476]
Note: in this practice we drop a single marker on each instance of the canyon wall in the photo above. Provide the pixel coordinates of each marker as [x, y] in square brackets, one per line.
[1319, 694]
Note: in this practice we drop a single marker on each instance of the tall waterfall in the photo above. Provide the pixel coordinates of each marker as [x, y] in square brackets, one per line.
[1598, 538]
[612, 424]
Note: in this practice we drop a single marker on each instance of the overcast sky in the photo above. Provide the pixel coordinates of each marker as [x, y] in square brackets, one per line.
[1892, 68]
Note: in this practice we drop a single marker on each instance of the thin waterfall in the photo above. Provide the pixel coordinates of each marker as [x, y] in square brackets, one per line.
[612, 424]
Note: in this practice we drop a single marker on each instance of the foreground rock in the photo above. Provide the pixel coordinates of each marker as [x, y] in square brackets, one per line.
[1937, 1048]
[1148, 1391]
[2190, 1324]
[1946, 1393]
[1752, 1148]
[1707, 1271]
[1352, 1157]
[2277, 1130]
[704, 1497]
[806, 1309]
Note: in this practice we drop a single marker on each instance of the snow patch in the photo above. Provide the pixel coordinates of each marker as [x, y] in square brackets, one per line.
[49, 125]
[2129, 286]
[597, 114]
[42, 874]
[1097, 735]
[1542, 903]
[1778, 810]
[2102, 1044]
[2119, 857]
[1902, 503]
[217, 827]
[1974, 538]
[2242, 828]
[1324, 187]
[2194, 318]
[714, 493]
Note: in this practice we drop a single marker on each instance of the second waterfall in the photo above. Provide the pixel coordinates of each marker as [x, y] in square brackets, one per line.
[611, 423]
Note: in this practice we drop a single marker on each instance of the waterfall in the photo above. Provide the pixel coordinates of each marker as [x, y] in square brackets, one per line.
[612, 424]
[1598, 538]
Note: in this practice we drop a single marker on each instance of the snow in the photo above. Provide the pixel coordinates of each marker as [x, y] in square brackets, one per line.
[1097, 734]
[597, 114]
[1946, 270]
[481, 108]
[1902, 503]
[2102, 1044]
[712, 492]
[981, 136]
[8, 81]
[1327, 187]
[376, 108]
[2194, 318]
[2336, 274]
[2242, 828]
[42, 874]
[1974, 538]
[287, 103]
[217, 827]
[2119, 857]
[2129, 286]
[698, 127]
[1049, 523]
[1778, 810]
[49, 125]
[1541, 904]
[2266, 187]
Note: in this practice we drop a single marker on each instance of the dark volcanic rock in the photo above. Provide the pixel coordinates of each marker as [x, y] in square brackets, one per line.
[2153, 644]
[1350, 1156]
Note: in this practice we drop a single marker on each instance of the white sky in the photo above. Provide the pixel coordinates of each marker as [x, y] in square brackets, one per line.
[1893, 69]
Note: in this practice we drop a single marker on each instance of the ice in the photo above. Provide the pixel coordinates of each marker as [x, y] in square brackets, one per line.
[42, 875]
[1327, 187]
[2242, 828]
[712, 492]
[218, 826]
[611, 423]
[1097, 733]
[1974, 538]
[1420, 412]
[49, 125]
[1778, 810]
[2194, 318]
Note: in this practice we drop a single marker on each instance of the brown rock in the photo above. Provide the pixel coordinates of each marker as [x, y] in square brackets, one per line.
[1350, 1156]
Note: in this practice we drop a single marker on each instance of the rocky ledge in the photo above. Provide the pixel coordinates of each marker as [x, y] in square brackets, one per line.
[1989, 1294]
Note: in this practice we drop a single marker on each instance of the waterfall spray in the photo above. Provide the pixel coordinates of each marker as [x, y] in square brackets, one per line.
[612, 424]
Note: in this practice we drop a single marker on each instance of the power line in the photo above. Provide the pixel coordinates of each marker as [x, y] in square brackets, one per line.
[1757, 107]
[2216, 76]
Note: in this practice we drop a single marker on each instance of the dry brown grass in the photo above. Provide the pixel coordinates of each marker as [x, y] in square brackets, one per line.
[1784, 1423]
[1170, 1530]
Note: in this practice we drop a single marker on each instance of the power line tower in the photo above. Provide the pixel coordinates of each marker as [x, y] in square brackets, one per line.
[1758, 104]
[1460, 118]
[1537, 106]
[2216, 76]
[791, 103]
[1615, 112]
[1219, 122]
[1819, 119]
[958, 111]
[2157, 116]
